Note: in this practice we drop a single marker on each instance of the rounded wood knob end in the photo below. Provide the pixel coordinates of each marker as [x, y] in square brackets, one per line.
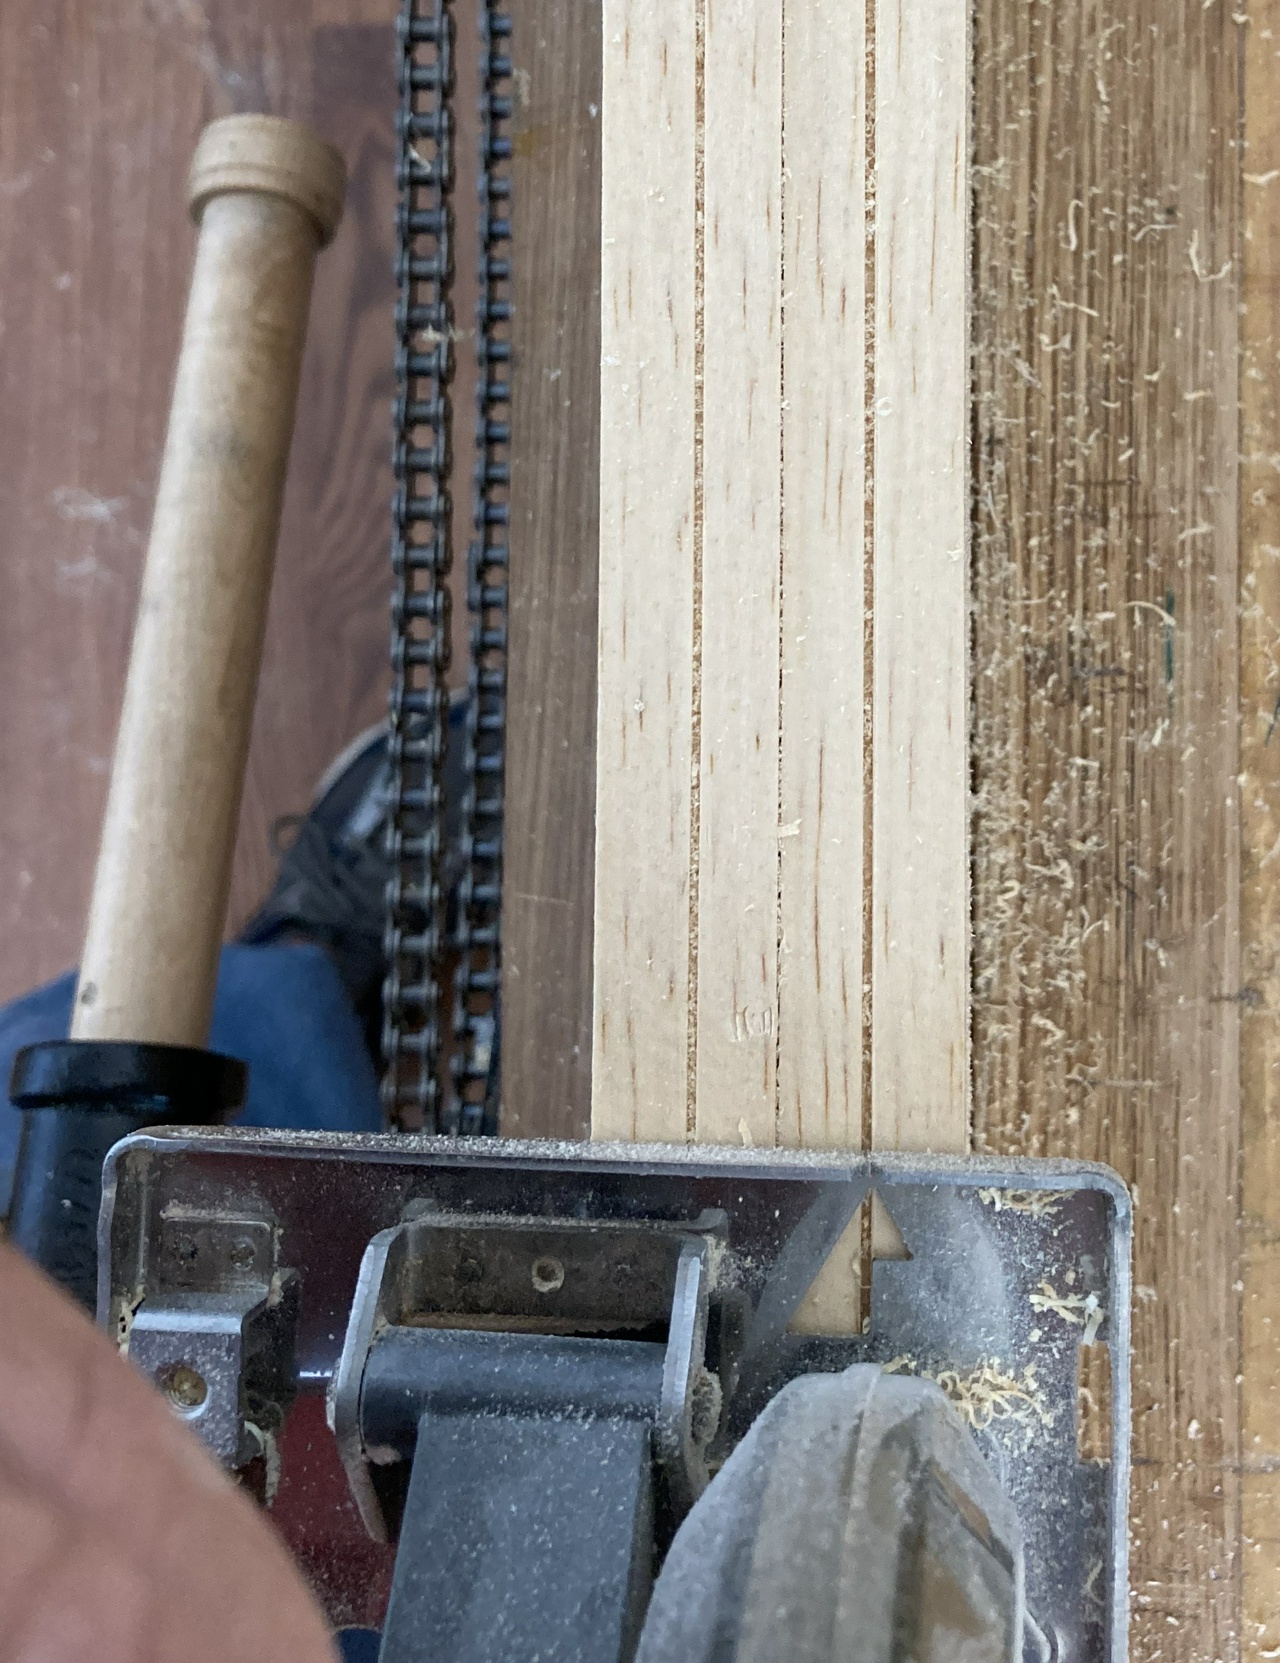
[268, 153]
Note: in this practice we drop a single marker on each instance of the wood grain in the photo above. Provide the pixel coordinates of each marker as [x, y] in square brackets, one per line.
[1106, 986]
[266, 194]
[822, 788]
[822, 411]
[1106, 853]
[919, 915]
[99, 113]
[733, 918]
[325, 660]
[1259, 1002]
[555, 509]
[650, 543]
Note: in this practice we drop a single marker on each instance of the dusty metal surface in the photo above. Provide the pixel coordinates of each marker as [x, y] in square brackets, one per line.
[1016, 1285]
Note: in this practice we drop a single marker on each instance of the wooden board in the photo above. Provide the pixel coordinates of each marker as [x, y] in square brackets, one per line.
[1107, 980]
[730, 933]
[1259, 1002]
[547, 883]
[919, 917]
[781, 865]
[648, 588]
[823, 753]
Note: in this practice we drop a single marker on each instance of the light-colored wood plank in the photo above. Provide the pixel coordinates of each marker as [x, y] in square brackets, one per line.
[647, 572]
[920, 486]
[739, 508]
[823, 783]
[771, 954]
[1260, 837]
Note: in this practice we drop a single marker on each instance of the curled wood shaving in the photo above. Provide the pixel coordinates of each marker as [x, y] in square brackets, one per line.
[986, 1394]
[1081, 1309]
[1038, 1203]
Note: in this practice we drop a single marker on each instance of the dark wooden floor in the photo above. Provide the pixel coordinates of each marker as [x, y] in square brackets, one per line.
[100, 105]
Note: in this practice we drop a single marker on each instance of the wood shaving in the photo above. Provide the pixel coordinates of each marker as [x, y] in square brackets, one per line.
[1080, 1309]
[987, 1394]
[1038, 1203]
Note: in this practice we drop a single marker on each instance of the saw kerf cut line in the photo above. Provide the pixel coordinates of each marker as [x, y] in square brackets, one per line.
[783, 635]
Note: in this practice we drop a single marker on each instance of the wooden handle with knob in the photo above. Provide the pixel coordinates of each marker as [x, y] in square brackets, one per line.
[267, 194]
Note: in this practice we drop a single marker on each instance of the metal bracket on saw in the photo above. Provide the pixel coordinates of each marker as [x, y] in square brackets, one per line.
[1014, 1298]
[212, 1324]
[512, 1367]
[516, 1283]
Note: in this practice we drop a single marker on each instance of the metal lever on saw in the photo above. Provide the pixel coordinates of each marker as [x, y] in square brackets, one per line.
[525, 1405]
[267, 194]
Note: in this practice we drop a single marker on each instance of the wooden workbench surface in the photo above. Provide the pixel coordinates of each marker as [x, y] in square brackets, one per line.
[1107, 988]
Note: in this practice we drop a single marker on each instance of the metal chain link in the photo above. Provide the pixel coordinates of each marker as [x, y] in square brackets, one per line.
[474, 1101]
[421, 557]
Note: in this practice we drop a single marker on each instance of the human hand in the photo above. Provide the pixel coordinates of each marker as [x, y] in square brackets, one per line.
[121, 1540]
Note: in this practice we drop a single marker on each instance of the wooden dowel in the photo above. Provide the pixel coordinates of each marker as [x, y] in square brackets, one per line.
[267, 195]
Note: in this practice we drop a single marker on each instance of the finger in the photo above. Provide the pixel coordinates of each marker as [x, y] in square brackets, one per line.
[164, 1554]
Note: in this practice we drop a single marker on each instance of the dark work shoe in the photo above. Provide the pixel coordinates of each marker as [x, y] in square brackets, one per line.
[332, 880]
[332, 883]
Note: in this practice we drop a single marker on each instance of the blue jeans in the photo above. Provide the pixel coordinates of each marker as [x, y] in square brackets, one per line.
[280, 1008]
